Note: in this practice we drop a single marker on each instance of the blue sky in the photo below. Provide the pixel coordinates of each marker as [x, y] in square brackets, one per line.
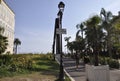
[35, 20]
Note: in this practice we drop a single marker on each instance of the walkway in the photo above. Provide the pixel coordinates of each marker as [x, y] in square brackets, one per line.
[69, 66]
[80, 75]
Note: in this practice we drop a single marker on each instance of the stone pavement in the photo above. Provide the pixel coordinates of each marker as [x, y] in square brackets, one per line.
[79, 74]
[69, 66]
[115, 75]
[76, 74]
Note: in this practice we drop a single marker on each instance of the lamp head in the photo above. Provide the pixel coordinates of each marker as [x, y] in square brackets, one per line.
[61, 6]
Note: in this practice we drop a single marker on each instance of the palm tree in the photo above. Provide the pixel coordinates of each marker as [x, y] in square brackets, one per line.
[67, 40]
[116, 34]
[81, 28]
[94, 35]
[3, 41]
[3, 44]
[116, 30]
[16, 43]
[106, 18]
[70, 47]
[80, 39]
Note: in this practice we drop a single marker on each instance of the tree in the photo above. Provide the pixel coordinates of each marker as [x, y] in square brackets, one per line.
[94, 35]
[70, 47]
[67, 40]
[3, 44]
[116, 36]
[81, 28]
[75, 46]
[3, 41]
[16, 43]
[106, 23]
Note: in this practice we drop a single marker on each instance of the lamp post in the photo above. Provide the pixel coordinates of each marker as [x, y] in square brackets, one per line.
[61, 6]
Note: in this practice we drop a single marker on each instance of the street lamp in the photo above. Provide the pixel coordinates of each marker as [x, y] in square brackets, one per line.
[61, 7]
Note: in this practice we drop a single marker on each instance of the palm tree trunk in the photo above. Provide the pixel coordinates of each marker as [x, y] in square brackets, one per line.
[109, 45]
[96, 47]
[16, 49]
[96, 57]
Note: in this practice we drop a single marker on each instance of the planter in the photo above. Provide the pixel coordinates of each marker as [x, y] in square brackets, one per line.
[97, 73]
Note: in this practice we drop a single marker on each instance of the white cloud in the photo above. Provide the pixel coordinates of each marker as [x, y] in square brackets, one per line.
[114, 6]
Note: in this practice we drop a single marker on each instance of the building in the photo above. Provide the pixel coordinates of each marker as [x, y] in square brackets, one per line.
[7, 21]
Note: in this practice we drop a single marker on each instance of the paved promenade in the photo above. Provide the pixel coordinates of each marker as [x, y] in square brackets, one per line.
[79, 74]
[76, 74]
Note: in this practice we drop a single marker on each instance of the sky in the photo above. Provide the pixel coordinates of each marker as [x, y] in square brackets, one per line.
[35, 19]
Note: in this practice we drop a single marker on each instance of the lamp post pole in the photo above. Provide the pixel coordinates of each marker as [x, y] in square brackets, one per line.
[61, 6]
[61, 75]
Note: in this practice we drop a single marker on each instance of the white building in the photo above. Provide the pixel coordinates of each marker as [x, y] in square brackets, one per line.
[7, 21]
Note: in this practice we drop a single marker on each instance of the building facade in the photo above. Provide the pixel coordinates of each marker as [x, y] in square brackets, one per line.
[7, 21]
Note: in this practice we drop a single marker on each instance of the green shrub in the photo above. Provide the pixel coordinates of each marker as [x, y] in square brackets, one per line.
[4, 71]
[13, 68]
[5, 59]
[26, 63]
[102, 61]
[86, 60]
[114, 64]
[0, 62]
[29, 64]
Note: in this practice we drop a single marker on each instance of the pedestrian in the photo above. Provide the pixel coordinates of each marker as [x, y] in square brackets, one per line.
[77, 60]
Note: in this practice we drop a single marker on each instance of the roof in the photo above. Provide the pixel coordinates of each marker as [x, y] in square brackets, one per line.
[8, 6]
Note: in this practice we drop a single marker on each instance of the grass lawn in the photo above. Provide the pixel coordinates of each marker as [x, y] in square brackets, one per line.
[28, 67]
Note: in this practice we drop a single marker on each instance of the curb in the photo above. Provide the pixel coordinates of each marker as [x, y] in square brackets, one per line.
[65, 71]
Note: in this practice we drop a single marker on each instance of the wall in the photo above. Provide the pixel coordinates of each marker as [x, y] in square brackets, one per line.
[7, 21]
